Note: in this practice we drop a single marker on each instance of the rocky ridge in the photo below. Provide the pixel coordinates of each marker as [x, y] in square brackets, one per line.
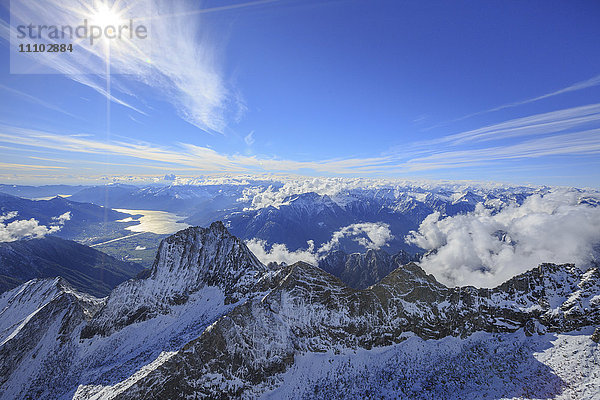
[210, 321]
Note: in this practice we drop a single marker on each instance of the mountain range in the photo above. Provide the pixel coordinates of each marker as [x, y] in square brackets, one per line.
[187, 199]
[295, 219]
[292, 216]
[84, 217]
[361, 270]
[210, 321]
[36, 192]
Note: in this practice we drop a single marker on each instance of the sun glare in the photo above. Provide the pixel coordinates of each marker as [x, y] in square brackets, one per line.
[106, 17]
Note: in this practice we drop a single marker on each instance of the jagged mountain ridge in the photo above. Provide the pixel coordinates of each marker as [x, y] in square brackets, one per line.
[139, 322]
[262, 337]
[36, 321]
[303, 217]
[222, 325]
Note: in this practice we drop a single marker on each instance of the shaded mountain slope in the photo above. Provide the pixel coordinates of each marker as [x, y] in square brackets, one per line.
[85, 268]
[360, 271]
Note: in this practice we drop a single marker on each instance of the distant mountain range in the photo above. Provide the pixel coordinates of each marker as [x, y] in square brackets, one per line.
[309, 216]
[82, 215]
[210, 321]
[360, 271]
[338, 214]
[294, 219]
[186, 199]
[33, 192]
[86, 269]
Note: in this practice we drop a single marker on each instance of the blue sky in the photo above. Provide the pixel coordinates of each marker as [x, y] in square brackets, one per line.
[492, 91]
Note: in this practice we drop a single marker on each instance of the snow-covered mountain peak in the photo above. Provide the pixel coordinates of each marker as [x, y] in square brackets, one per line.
[310, 203]
[36, 318]
[26, 300]
[195, 257]
[187, 262]
[20, 305]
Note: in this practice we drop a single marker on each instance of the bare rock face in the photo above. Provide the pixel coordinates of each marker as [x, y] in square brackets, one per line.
[186, 262]
[210, 321]
[596, 335]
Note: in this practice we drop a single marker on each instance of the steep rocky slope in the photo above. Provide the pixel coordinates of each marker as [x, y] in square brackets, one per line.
[310, 311]
[38, 321]
[186, 262]
[210, 321]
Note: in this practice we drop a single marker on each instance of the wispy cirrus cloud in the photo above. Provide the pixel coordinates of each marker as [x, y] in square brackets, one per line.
[567, 132]
[181, 62]
[27, 167]
[72, 68]
[538, 124]
[577, 143]
[536, 136]
[36, 100]
[194, 157]
[588, 83]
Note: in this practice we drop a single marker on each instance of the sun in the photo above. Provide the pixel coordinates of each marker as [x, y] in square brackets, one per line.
[107, 18]
[115, 25]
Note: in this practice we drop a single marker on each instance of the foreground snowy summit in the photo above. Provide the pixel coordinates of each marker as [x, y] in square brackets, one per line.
[210, 321]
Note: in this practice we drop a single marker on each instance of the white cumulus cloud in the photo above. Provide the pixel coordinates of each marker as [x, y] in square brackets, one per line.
[8, 216]
[261, 197]
[61, 219]
[484, 248]
[370, 235]
[28, 228]
[377, 235]
[279, 253]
